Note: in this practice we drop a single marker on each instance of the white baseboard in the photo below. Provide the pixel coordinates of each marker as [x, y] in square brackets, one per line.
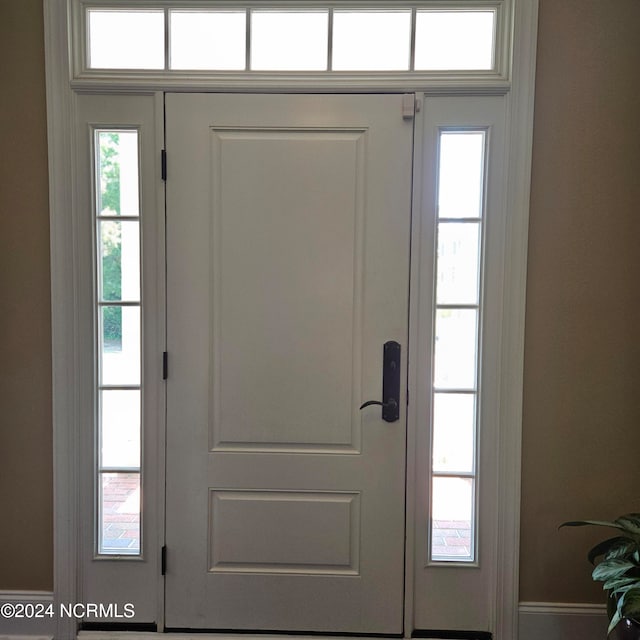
[537, 621]
[18, 619]
[562, 621]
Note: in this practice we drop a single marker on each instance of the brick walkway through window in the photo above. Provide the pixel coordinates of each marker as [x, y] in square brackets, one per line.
[121, 512]
[451, 538]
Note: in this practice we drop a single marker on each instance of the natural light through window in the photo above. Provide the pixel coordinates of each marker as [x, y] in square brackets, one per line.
[371, 40]
[454, 40]
[460, 206]
[118, 311]
[292, 39]
[208, 40]
[289, 40]
[130, 39]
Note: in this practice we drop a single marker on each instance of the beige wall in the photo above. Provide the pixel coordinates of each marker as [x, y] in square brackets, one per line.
[25, 335]
[582, 371]
[581, 439]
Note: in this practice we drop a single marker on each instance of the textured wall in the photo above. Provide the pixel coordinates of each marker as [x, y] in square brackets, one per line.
[582, 370]
[25, 334]
[582, 359]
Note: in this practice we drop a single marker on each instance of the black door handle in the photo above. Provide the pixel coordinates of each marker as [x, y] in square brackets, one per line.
[390, 383]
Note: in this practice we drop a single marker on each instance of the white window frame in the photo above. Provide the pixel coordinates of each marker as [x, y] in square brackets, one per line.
[496, 80]
[90, 112]
[66, 78]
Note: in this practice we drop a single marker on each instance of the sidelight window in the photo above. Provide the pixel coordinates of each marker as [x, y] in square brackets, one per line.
[455, 390]
[119, 340]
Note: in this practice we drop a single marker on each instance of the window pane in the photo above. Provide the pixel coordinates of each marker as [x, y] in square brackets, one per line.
[371, 40]
[453, 432]
[120, 428]
[120, 251]
[208, 40]
[452, 519]
[455, 349]
[458, 267]
[119, 527]
[126, 39]
[289, 40]
[118, 192]
[120, 361]
[454, 40]
[460, 174]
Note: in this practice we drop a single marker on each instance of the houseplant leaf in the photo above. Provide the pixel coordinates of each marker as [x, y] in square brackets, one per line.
[617, 547]
[610, 569]
[630, 522]
[618, 584]
[619, 568]
[615, 618]
[597, 523]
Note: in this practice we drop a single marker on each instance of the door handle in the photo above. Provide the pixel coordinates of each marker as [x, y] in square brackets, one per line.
[390, 383]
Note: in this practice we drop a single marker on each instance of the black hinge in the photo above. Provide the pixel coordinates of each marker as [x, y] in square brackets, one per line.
[165, 365]
[163, 560]
[163, 162]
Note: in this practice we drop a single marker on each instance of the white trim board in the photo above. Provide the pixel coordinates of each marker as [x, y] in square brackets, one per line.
[27, 628]
[24, 637]
[562, 621]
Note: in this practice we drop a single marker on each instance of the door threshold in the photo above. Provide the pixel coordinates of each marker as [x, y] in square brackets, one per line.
[209, 635]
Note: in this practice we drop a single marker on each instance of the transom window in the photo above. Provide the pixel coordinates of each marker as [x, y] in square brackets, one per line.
[292, 39]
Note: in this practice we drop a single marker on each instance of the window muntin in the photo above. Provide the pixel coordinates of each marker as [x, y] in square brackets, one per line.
[456, 344]
[119, 342]
[317, 38]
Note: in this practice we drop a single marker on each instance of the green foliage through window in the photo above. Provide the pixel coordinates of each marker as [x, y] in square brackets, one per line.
[111, 236]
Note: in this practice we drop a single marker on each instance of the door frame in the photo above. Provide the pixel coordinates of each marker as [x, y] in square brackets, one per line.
[62, 89]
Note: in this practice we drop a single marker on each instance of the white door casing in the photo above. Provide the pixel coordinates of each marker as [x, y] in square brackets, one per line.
[70, 262]
[288, 231]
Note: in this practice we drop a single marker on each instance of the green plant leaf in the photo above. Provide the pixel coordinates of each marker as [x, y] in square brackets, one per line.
[610, 569]
[597, 523]
[617, 547]
[631, 602]
[630, 522]
[617, 616]
[617, 584]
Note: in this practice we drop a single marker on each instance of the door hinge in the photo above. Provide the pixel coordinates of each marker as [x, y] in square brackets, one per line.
[165, 365]
[163, 560]
[163, 164]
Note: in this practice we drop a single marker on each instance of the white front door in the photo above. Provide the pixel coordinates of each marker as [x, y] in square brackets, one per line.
[288, 229]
